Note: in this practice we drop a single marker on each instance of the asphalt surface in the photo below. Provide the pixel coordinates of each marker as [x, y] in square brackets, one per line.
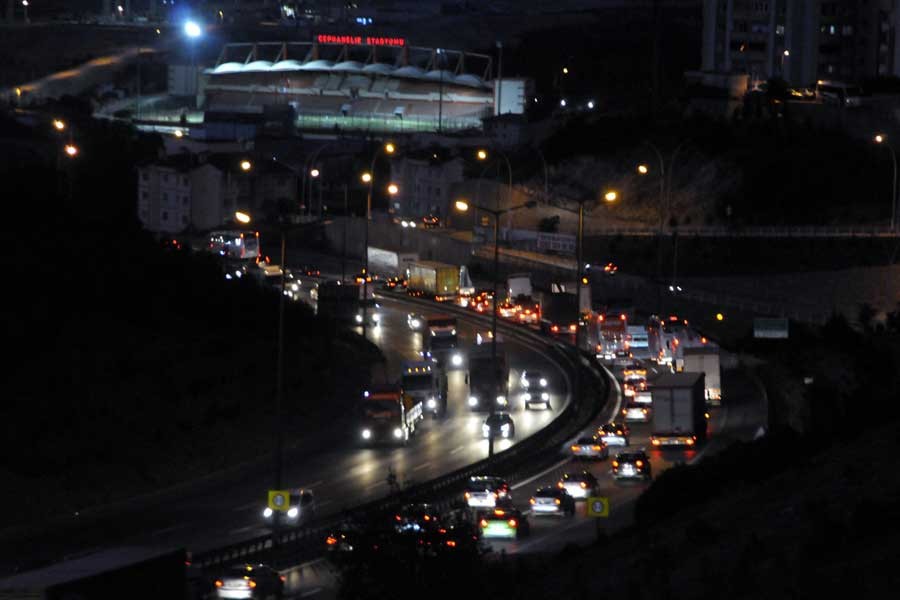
[341, 474]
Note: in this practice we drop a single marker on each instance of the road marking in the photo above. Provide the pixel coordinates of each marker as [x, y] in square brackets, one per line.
[247, 506]
[168, 530]
[457, 450]
[422, 466]
[242, 529]
[541, 474]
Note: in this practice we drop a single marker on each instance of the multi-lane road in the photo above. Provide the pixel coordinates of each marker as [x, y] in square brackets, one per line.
[227, 509]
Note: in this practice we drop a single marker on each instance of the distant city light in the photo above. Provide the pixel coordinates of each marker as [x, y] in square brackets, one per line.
[246, 165]
[591, 104]
[59, 124]
[562, 102]
[192, 29]
[314, 173]
[71, 150]
[643, 169]
[120, 8]
[393, 189]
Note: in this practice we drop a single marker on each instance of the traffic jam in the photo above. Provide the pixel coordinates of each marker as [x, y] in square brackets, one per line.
[666, 373]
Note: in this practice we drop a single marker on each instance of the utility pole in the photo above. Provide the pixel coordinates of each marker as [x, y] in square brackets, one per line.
[499, 82]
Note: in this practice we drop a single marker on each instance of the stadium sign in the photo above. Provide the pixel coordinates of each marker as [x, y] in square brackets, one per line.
[360, 40]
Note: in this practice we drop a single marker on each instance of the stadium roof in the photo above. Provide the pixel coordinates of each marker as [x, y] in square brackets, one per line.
[415, 63]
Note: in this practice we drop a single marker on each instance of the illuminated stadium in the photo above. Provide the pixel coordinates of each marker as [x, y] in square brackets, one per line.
[361, 83]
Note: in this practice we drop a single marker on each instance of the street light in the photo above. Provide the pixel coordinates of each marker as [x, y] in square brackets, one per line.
[192, 29]
[368, 178]
[242, 217]
[59, 124]
[246, 165]
[463, 206]
[71, 150]
[483, 156]
[392, 189]
[883, 140]
[314, 173]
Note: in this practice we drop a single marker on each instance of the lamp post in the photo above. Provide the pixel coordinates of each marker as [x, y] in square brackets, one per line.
[882, 139]
[308, 168]
[193, 31]
[483, 155]
[369, 178]
[463, 206]
[784, 55]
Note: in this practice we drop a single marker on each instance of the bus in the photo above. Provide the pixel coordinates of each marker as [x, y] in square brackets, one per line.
[234, 244]
[842, 94]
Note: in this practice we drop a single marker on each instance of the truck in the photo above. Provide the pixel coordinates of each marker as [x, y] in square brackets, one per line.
[342, 301]
[559, 314]
[520, 293]
[430, 279]
[638, 340]
[679, 410]
[488, 379]
[705, 359]
[389, 414]
[427, 381]
[612, 335]
[391, 263]
[120, 572]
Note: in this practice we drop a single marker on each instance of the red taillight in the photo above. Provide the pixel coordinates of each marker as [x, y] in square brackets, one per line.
[597, 448]
[499, 512]
[451, 543]
[615, 464]
[560, 485]
[531, 501]
[468, 495]
[573, 327]
[219, 583]
[655, 441]
[483, 523]
[690, 442]
[554, 328]
[576, 448]
[558, 501]
[513, 523]
[331, 540]
[639, 464]
[251, 584]
[583, 485]
[396, 517]
[282, 578]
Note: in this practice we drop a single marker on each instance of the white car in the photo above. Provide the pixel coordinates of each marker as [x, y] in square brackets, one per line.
[590, 447]
[636, 412]
[536, 399]
[533, 380]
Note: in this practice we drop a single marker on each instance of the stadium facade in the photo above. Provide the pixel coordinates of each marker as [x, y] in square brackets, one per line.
[359, 83]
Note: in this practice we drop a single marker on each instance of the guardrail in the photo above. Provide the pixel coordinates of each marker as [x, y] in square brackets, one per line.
[295, 546]
[800, 231]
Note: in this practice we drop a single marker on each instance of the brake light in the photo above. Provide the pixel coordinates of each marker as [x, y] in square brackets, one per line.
[639, 464]
[499, 512]
[219, 583]
[597, 448]
[554, 328]
[583, 485]
[576, 448]
[396, 517]
[560, 485]
[451, 543]
[615, 464]
[483, 523]
[572, 327]
[644, 410]
[690, 442]
[622, 317]
[513, 523]
[531, 501]
[282, 578]
[655, 441]
[251, 584]
[331, 540]
[468, 495]
[557, 501]
[600, 319]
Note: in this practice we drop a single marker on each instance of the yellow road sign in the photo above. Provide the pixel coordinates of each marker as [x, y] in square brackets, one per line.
[598, 506]
[279, 500]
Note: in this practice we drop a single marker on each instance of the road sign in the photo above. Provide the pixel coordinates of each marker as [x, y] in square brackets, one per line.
[770, 328]
[598, 506]
[279, 500]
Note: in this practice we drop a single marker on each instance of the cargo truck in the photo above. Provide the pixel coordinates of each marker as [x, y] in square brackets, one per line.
[426, 381]
[558, 315]
[429, 279]
[342, 301]
[705, 359]
[488, 379]
[389, 415]
[391, 263]
[679, 410]
[520, 293]
[612, 335]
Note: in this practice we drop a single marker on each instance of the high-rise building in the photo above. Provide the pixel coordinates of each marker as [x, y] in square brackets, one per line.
[802, 40]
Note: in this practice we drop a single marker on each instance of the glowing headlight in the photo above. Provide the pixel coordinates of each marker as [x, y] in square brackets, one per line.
[486, 430]
[453, 332]
[526, 396]
[433, 333]
[268, 512]
[416, 323]
[398, 433]
[543, 382]
[359, 318]
[524, 383]
[293, 512]
[366, 434]
[376, 317]
[457, 360]
[238, 274]
[432, 403]
[504, 427]
[473, 401]
[501, 399]
[228, 276]
[545, 396]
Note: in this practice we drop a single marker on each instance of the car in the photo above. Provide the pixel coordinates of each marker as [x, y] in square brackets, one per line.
[630, 465]
[530, 315]
[552, 501]
[590, 447]
[431, 222]
[536, 399]
[301, 508]
[613, 434]
[503, 522]
[485, 490]
[415, 321]
[636, 412]
[610, 269]
[249, 581]
[393, 283]
[507, 310]
[500, 424]
[579, 485]
[416, 518]
[633, 382]
[309, 271]
[533, 379]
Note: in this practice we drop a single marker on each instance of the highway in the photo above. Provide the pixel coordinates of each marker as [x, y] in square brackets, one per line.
[228, 509]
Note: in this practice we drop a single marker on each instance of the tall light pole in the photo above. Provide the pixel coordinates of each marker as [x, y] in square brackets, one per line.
[308, 167]
[784, 55]
[483, 155]
[463, 206]
[193, 31]
[882, 139]
[369, 177]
